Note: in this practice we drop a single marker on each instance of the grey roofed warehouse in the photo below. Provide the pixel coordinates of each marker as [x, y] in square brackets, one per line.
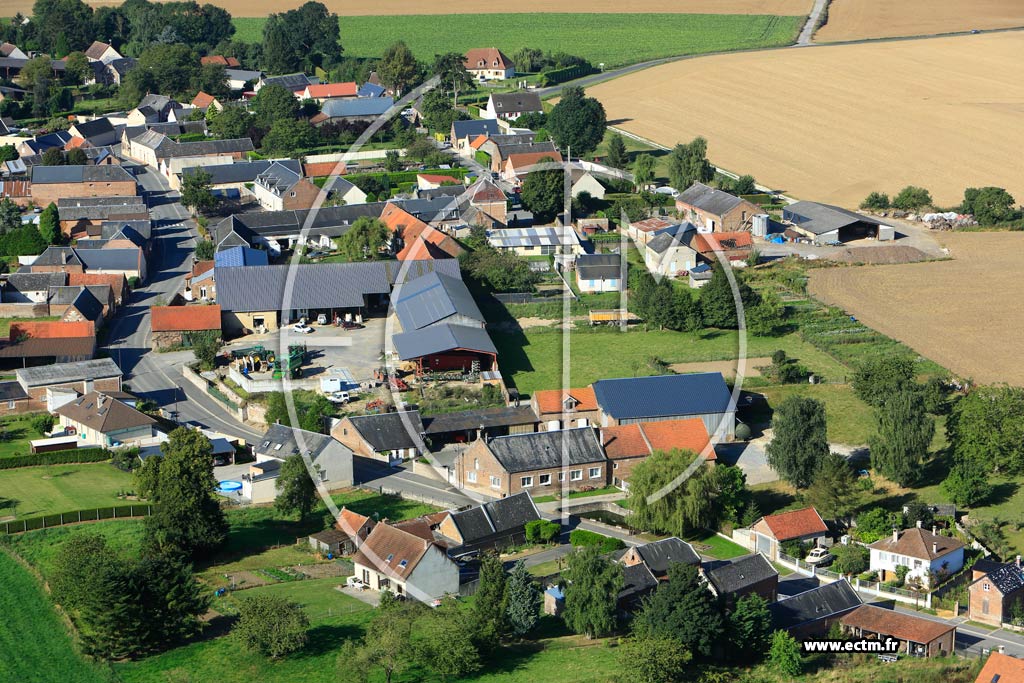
[827, 223]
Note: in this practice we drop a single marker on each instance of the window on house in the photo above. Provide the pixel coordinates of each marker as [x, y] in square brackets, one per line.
[986, 586]
[10, 405]
[391, 556]
[471, 477]
[545, 480]
[277, 447]
[495, 483]
[575, 475]
[984, 607]
[526, 482]
[615, 465]
[561, 476]
[594, 472]
[403, 564]
[476, 463]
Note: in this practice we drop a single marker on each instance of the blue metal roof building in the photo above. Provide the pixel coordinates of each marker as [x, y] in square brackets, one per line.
[668, 397]
[240, 256]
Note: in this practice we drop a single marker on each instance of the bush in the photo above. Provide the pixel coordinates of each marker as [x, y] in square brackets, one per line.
[271, 625]
[542, 531]
[912, 198]
[68, 457]
[42, 424]
[850, 559]
[606, 544]
[875, 201]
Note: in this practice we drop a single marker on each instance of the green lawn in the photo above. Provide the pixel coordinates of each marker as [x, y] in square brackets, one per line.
[850, 420]
[35, 644]
[33, 491]
[16, 433]
[720, 548]
[533, 357]
[614, 39]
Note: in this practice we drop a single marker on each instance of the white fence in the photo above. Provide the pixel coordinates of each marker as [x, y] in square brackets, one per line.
[352, 156]
[874, 588]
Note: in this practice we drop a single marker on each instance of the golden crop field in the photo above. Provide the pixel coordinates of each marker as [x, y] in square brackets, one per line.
[962, 313]
[261, 8]
[856, 19]
[833, 123]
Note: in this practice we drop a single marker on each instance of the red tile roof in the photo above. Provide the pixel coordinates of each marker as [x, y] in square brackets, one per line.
[420, 240]
[527, 159]
[74, 143]
[437, 179]
[707, 243]
[787, 525]
[896, 624]
[550, 400]
[52, 329]
[229, 62]
[642, 438]
[203, 100]
[387, 547]
[1001, 668]
[478, 141]
[323, 169]
[487, 58]
[185, 318]
[351, 522]
[327, 90]
[651, 225]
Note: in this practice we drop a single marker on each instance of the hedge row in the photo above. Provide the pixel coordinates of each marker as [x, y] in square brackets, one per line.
[95, 514]
[569, 73]
[584, 538]
[76, 455]
[409, 176]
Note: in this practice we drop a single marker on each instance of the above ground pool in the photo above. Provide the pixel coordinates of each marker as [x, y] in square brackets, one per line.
[229, 486]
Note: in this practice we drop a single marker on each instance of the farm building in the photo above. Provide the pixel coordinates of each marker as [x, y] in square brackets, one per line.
[466, 426]
[365, 109]
[713, 210]
[644, 231]
[668, 397]
[919, 637]
[826, 224]
[810, 614]
[996, 590]
[233, 176]
[600, 273]
[571, 408]
[628, 445]
[175, 326]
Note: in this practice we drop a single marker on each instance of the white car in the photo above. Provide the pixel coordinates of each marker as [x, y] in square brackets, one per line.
[820, 557]
[301, 328]
[339, 397]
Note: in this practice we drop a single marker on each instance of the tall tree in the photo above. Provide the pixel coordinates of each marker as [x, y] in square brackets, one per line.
[296, 491]
[967, 483]
[832, 490]
[706, 497]
[643, 170]
[364, 240]
[451, 69]
[544, 192]
[684, 610]
[688, 164]
[187, 520]
[617, 155]
[273, 103]
[987, 426]
[173, 68]
[397, 68]
[231, 123]
[76, 68]
[577, 123]
[990, 205]
[784, 654]
[522, 601]
[443, 642]
[749, 627]
[718, 302]
[653, 660]
[62, 25]
[592, 593]
[271, 625]
[800, 442]
[195, 191]
[10, 215]
[49, 224]
[490, 601]
[876, 379]
[386, 645]
[904, 434]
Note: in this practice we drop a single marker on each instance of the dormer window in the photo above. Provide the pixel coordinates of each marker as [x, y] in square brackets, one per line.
[403, 564]
[391, 556]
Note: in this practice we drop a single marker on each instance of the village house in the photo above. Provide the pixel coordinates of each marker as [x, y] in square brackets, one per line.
[152, 108]
[600, 273]
[408, 565]
[466, 426]
[175, 326]
[79, 214]
[343, 192]
[1000, 668]
[490, 199]
[231, 178]
[331, 461]
[51, 183]
[917, 636]
[201, 284]
[629, 445]
[539, 462]
[668, 397]
[812, 613]
[414, 239]
[928, 556]
[670, 252]
[99, 420]
[464, 132]
[388, 437]
[366, 109]
[637, 583]
[102, 52]
[510, 106]
[489, 64]
[99, 132]
[345, 537]
[518, 166]
[492, 525]
[322, 92]
[280, 188]
[204, 101]
[996, 592]
[748, 575]
[659, 556]
[543, 240]
[290, 82]
[713, 210]
[559, 409]
[771, 531]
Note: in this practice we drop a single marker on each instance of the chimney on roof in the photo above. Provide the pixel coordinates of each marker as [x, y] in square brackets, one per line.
[1018, 562]
[918, 524]
[895, 534]
[935, 547]
[935, 529]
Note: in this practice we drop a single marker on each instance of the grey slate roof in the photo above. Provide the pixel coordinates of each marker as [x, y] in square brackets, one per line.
[281, 441]
[61, 373]
[138, 231]
[332, 221]
[58, 256]
[823, 218]
[316, 285]
[279, 178]
[360, 106]
[100, 208]
[98, 129]
[637, 579]
[35, 282]
[472, 128]
[88, 305]
[370, 90]
[441, 338]
[516, 102]
[43, 175]
[388, 432]
[709, 199]
[111, 259]
[12, 391]
[544, 450]
[465, 420]
[296, 81]
[659, 555]
[495, 518]
[433, 298]
[741, 573]
[599, 266]
[243, 75]
[669, 237]
[241, 172]
[1008, 578]
[663, 395]
[824, 601]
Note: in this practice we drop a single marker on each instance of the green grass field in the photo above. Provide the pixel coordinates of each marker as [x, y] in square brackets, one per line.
[614, 39]
[33, 491]
[17, 432]
[35, 644]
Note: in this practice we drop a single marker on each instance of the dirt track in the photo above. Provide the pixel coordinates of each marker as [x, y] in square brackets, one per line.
[964, 314]
[833, 123]
[261, 8]
[856, 19]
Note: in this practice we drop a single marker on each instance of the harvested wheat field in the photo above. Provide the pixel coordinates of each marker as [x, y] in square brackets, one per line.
[261, 8]
[833, 123]
[856, 19]
[963, 314]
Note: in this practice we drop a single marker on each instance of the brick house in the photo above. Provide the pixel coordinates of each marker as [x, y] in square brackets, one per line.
[492, 525]
[742, 576]
[658, 556]
[996, 592]
[628, 445]
[538, 462]
[489, 64]
[173, 325]
[280, 188]
[388, 437]
[50, 183]
[713, 210]
[572, 408]
[101, 374]
[811, 614]
[518, 166]
[396, 560]
[917, 636]
[771, 531]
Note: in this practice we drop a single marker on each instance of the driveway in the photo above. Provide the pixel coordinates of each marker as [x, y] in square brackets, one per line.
[750, 457]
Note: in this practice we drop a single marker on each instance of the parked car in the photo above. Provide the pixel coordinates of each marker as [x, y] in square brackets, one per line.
[301, 328]
[342, 397]
[819, 557]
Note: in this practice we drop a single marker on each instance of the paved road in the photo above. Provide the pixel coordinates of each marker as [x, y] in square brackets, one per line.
[807, 32]
[157, 376]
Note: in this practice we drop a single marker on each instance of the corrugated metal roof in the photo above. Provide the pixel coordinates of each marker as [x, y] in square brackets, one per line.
[362, 106]
[663, 395]
[62, 373]
[240, 256]
[432, 298]
[705, 198]
[823, 218]
[441, 338]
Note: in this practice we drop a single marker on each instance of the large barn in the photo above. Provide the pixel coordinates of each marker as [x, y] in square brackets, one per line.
[825, 223]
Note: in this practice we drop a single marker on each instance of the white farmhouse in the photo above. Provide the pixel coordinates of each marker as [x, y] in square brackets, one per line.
[924, 553]
[405, 563]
